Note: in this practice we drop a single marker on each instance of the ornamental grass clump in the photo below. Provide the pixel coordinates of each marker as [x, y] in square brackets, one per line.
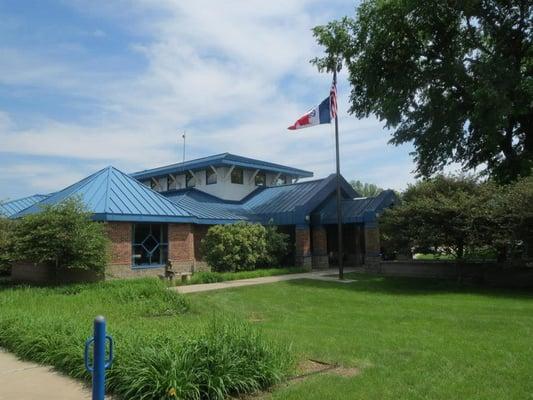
[162, 351]
[225, 358]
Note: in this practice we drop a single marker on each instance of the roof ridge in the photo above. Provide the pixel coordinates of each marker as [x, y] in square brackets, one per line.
[109, 168]
[82, 183]
[143, 186]
[222, 155]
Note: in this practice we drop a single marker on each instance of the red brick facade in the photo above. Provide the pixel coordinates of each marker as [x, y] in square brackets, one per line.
[320, 241]
[303, 247]
[181, 246]
[184, 248]
[119, 234]
[319, 247]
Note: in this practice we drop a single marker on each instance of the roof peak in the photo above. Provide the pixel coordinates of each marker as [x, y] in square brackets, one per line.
[222, 159]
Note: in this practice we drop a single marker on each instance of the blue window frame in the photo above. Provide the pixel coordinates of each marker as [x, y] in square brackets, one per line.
[149, 245]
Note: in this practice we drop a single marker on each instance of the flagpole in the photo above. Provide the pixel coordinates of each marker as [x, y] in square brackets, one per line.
[339, 208]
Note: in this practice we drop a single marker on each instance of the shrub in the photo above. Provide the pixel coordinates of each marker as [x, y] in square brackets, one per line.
[62, 236]
[277, 247]
[243, 246]
[6, 244]
[234, 247]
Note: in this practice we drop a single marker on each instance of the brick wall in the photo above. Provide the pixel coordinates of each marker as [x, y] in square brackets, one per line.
[319, 247]
[43, 274]
[119, 234]
[303, 247]
[181, 247]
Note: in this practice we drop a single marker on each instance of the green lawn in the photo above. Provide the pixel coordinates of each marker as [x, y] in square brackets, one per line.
[411, 338]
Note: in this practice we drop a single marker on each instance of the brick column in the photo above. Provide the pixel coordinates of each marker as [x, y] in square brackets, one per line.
[119, 234]
[302, 252]
[120, 251]
[320, 247]
[181, 247]
[372, 245]
[359, 232]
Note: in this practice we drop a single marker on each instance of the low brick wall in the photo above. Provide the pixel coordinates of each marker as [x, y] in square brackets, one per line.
[487, 273]
[42, 274]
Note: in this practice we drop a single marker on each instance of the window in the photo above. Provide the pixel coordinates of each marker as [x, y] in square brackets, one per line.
[190, 180]
[237, 176]
[210, 176]
[153, 184]
[282, 180]
[150, 244]
[260, 179]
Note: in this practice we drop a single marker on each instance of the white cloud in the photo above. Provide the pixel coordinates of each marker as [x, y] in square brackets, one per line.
[217, 69]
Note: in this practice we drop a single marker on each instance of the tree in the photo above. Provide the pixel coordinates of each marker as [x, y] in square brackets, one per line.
[63, 236]
[459, 214]
[366, 189]
[6, 244]
[434, 215]
[455, 78]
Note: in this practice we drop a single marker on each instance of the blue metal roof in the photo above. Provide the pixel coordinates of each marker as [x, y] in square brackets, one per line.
[290, 204]
[361, 209]
[283, 205]
[224, 159]
[12, 207]
[111, 195]
[207, 208]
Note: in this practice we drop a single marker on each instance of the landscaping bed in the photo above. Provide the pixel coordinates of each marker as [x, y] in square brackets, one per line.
[164, 349]
[374, 338]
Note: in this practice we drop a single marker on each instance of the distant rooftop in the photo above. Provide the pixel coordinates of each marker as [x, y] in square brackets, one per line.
[218, 160]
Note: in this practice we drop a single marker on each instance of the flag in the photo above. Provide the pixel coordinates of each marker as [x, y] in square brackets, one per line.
[321, 114]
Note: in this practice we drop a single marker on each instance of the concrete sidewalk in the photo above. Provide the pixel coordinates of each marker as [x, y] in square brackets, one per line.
[21, 380]
[318, 275]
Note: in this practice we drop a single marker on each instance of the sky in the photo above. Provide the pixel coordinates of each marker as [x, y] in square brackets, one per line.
[87, 84]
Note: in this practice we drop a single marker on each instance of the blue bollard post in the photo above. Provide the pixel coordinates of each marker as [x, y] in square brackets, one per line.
[100, 364]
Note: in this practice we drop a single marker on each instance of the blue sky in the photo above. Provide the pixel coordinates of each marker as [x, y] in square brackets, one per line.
[86, 84]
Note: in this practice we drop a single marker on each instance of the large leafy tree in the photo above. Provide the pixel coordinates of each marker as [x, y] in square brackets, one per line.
[453, 77]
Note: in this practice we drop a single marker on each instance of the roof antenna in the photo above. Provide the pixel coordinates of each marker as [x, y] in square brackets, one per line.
[183, 136]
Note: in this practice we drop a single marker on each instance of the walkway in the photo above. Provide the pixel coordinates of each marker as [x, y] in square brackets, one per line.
[322, 275]
[21, 380]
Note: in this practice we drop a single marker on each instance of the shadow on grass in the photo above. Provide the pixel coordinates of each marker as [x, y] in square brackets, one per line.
[413, 286]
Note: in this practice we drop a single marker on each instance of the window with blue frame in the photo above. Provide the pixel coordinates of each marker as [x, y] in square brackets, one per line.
[150, 244]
